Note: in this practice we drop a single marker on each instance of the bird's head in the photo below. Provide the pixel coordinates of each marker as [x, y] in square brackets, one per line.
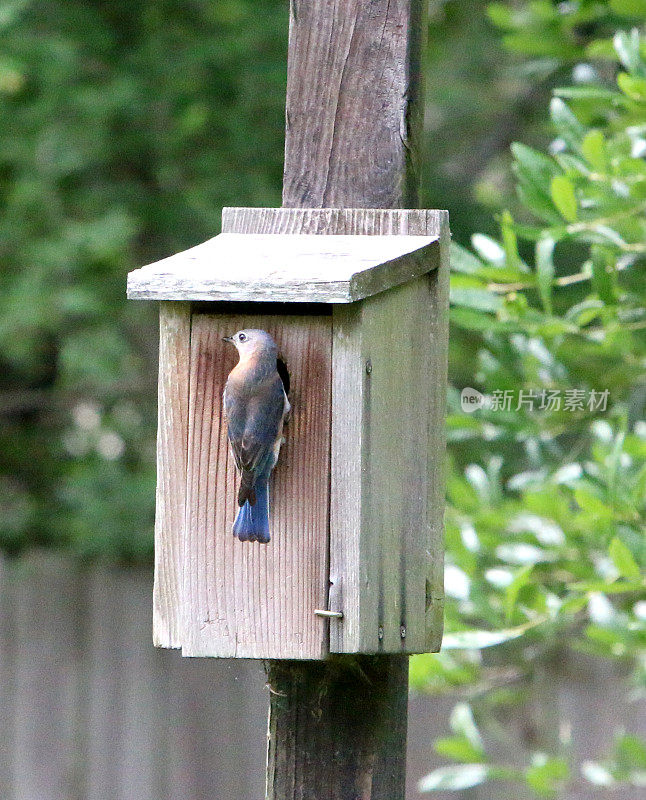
[252, 343]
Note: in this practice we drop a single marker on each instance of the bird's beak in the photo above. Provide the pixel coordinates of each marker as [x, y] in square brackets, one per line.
[227, 338]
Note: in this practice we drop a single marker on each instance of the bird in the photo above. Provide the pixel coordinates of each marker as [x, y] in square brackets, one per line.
[256, 407]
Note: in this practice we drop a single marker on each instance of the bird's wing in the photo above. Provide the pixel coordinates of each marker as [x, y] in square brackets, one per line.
[254, 424]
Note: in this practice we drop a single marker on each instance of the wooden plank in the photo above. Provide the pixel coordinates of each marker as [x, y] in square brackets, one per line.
[286, 267]
[346, 469]
[437, 365]
[172, 443]
[243, 599]
[217, 739]
[46, 680]
[106, 666]
[380, 549]
[393, 546]
[332, 221]
[8, 670]
[353, 103]
[139, 771]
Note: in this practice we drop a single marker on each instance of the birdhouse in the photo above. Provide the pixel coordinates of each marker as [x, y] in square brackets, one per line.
[357, 302]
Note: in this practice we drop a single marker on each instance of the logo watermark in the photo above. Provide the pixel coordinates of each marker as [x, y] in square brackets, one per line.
[534, 400]
[471, 399]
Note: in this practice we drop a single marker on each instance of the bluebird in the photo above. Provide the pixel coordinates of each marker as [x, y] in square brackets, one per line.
[256, 406]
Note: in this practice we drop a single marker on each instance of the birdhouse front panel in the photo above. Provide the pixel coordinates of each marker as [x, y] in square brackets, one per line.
[246, 599]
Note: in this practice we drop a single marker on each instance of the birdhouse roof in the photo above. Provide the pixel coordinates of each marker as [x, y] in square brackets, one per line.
[286, 268]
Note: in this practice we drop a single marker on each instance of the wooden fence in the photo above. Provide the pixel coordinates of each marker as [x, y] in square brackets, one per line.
[89, 710]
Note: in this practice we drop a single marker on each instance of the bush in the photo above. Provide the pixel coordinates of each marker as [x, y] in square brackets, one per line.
[547, 483]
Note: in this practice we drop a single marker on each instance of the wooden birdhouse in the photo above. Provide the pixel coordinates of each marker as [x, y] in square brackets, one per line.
[357, 301]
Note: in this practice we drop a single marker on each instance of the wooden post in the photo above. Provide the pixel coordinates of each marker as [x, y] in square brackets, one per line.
[337, 729]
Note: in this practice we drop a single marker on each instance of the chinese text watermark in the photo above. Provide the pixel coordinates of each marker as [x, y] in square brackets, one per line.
[535, 400]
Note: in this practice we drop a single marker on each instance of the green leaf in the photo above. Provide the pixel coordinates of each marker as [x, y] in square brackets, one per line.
[593, 148]
[501, 16]
[509, 241]
[528, 43]
[562, 192]
[462, 260]
[602, 49]
[478, 639]
[592, 504]
[533, 164]
[480, 299]
[632, 87]
[602, 277]
[521, 579]
[545, 270]
[469, 319]
[458, 748]
[455, 778]
[488, 249]
[462, 723]
[623, 559]
[544, 775]
[627, 48]
[631, 752]
[586, 93]
[618, 587]
[566, 124]
[539, 203]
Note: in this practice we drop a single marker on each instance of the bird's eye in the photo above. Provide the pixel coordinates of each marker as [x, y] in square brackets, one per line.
[242, 337]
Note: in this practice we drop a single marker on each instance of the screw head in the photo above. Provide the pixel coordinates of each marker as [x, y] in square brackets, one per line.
[402, 631]
[380, 632]
[368, 366]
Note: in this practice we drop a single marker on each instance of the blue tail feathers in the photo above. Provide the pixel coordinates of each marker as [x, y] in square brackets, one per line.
[252, 522]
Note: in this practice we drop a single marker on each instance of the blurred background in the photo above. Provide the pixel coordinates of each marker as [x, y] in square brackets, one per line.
[124, 129]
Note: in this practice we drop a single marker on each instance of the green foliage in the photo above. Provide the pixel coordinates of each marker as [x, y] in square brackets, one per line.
[547, 500]
[124, 128]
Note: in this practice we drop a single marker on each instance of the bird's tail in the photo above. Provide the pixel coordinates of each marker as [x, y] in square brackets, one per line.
[252, 521]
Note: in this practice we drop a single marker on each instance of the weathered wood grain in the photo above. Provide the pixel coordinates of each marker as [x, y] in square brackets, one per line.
[394, 524]
[289, 267]
[8, 668]
[333, 221]
[384, 547]
[346, 470]
[244, 599]
[172, 442]
[386, 540]
[438, 355]
[122, 712]
[337, 729]
[46, 674]
[353, 103]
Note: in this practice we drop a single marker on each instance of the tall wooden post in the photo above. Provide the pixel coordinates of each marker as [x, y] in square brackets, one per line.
[338, 728]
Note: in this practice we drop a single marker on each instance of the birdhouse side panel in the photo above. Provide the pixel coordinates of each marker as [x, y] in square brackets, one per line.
[386, 546]
[245, 599]
[172, 435]
[437, 366]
